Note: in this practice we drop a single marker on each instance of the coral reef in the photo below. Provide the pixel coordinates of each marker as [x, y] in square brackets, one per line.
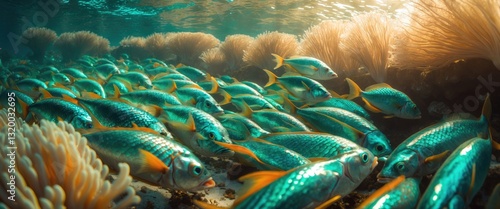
[368, 41]
[259, 52]
[38, 40]
[188, 46]
[214, 61]
[54, 168]
[441, 32]
[233, 48]
[157, 45]
[134, 47]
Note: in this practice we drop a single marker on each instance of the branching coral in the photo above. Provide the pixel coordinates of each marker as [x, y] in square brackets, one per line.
[368, 41]
[54, 168]
[233, 48]
[214, 61]
[189, 46]
[440, 32]
[38, 40]
[259, 52]
[323, 41]
[74, 45]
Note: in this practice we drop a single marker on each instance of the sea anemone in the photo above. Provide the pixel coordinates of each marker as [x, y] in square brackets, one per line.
[74, 45]
[214, 61]
[368, 41]
[38, 40]
[259, 53]
[52, 167]
[189, 46]
[440, 32]
[157, 45]
[233, 48]
[323, 40]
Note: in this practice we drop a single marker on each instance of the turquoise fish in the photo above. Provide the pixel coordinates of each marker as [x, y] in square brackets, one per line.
[346, 105]
[56, 109]
[306, 66]
[424, 152]
[383, 98]
[151, 157]
[400, 193]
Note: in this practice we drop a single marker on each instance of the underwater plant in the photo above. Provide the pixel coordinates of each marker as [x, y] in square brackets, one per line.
[188, 46]
[157, 45]
[259, 53]
[368, 41]
[54, 168]
[233, 48]
[440, 32]
[134, 47]
[38, 40]
[323, 40]
[73, 45]
[214, 61]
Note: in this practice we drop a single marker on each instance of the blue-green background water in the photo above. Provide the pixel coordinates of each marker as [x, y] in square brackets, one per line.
[116, 19]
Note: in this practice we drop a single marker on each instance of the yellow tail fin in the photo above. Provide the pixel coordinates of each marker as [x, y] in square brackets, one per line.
[272, 78]
[279, 60]
[354, 90]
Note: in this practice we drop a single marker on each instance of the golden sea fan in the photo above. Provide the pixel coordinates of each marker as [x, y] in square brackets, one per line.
[188, 46]
[233, 48]
[259, 52]
[157, 45]
[74, 45]
[368, 41]
[323, 40]
[54, 168]
[214, 61]
[38, 40]
[134, 47]
[440, 32]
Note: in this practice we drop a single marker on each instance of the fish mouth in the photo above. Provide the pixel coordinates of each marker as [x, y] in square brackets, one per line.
[207, 184]
[383, 179]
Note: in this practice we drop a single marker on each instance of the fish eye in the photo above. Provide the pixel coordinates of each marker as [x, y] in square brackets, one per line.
[211, 135]
[364, 157]
[207, 103]
[196, 170]
[380, 148]
[400, 166]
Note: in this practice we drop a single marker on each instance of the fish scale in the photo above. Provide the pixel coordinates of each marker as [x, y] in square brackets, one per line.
[403, 195]
[115, 146]
[312, 145]
[118, 114]
[54, 108]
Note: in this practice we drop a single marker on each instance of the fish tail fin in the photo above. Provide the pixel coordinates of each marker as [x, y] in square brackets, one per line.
[279, 60]
[227, 98]
[272, 78]
[24, 108]
[215, 86]
[354, 90]
[172, 88]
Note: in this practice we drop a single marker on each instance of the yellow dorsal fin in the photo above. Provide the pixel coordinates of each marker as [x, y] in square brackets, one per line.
[159, 75]
[205, 205]
[215, 86]
[172, 88]
[272, 78]
[190, 123]
[437, 157]
[472, 182]
[329, 202]
[227, 98]
[151, 163]
[256, 181]
[354, 90]
[156, 64]
[179, 65]
[241, 150]
[246, 110]
[370, 107]
[383, 190]
[117, 91]
[24, 108]
[154, 110]
[279, 60]
[46, 94]
[59, 118]
[91, 95]
[334, 94]
[69, 99]
[377, 86]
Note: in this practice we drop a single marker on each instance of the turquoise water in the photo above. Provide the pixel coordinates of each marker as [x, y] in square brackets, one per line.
[116, 19]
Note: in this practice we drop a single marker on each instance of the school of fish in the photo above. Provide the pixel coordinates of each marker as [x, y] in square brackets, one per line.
[311, 145]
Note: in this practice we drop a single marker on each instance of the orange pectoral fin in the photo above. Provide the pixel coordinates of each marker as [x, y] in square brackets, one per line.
[151, 163]
[256, 181]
